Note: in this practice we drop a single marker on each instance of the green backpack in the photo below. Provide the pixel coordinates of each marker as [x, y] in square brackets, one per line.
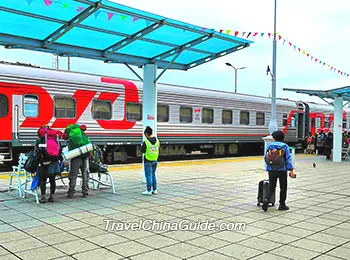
[76, 137]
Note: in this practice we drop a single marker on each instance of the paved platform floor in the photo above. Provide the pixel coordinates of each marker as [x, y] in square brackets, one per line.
[221, 191]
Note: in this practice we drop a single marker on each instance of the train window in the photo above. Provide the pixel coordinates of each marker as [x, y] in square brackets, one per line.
[4, 106]
[227, 117]
[260, 118]
[133, 111]
[318, 122]
[163, 113]
[326, 122]
[31, 106]
[285, 119]
[64, 107]
[101, 109]
[293, 121]
[207, 116]
[186, 114]
[244, 119]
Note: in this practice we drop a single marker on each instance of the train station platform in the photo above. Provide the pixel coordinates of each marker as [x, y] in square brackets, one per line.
[317, 226]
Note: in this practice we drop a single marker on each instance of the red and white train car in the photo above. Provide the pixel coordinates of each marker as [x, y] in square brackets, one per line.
[189, 119]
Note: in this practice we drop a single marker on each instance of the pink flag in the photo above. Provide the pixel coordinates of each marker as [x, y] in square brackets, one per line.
[135, 19]
[110, 15]
[80, 8]
[48, 2]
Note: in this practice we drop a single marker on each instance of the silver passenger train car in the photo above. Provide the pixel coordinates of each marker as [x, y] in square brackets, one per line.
[189, 119]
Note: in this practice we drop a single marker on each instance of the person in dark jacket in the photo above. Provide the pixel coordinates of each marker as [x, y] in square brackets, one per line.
[279, 172]
[150, 149]
[328, 145]
[47, 169]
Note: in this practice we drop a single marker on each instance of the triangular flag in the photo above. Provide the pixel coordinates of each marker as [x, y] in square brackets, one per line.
[269, 34]
[255, 34]
[123, 17]
[80, 8]
[295, 47]
[308, 54]
[64, 5]
[284, 41]
[29, 1]
[203, 29]
[262, 35]
[249, 34]
[279, 37]
[290, 44]
[221, 30]
[110, 15]
[97, 13]
[236, 33]
[312, 57]
[136, 18]
[316, 59]
[275, 33]
[299, 49]
[243, 33]
[228, 31]
[148, 22]
[304, 52]
[48, 2]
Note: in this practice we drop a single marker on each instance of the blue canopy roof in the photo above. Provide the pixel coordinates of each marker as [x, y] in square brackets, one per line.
[330, 94]
[111, 32]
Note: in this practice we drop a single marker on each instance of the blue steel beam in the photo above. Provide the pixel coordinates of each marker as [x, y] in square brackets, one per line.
[11, 41]
[168, 22]
[215, 56]
[136, 36]
[71, 24]
[46, 18]
[182, 48]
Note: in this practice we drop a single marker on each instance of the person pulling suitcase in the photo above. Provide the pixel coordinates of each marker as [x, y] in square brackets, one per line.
[278, 162]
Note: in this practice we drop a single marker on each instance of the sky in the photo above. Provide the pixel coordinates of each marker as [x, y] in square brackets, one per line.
[320, 27]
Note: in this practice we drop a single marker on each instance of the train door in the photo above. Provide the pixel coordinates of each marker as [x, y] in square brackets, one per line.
[307, 119]
[301, 119]
[5, 115]
[5, 125]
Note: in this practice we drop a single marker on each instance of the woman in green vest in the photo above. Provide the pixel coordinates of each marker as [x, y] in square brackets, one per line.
[150, 148]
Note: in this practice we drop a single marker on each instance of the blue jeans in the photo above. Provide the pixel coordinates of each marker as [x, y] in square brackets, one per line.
[150, 172]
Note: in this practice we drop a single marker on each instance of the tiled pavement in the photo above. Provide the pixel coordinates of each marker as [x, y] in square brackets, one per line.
[225, 190]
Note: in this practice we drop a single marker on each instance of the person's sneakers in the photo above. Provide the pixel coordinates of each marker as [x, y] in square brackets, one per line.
[70, 196]
[155, 192]
[42, 199]
[265, 206]
[147, 192]
[283, 207]
[85, 195]
[51, 199]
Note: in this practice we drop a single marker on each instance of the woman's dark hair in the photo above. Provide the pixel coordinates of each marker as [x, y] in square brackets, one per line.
[278, 136]
[148, 131]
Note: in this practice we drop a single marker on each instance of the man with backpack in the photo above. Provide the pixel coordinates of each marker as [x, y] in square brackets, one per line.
[278, 162]
[76, 139]
[49, 154]
[150, 148]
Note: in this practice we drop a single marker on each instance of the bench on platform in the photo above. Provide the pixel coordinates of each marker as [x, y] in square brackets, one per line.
[24, 179]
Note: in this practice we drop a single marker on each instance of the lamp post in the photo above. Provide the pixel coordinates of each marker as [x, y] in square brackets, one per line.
[273, 126]
[236, 69]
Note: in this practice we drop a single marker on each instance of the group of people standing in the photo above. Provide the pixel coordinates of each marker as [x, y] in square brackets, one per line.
[50, 160]
[321, 143]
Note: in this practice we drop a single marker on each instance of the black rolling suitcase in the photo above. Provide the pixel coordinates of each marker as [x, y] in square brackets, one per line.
[262, 193]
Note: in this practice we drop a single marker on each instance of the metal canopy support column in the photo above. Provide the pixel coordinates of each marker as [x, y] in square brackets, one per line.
[338, 125]
[149, 104]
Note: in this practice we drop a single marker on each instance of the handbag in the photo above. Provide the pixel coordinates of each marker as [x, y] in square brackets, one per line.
[32, 163]
[35, 182]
